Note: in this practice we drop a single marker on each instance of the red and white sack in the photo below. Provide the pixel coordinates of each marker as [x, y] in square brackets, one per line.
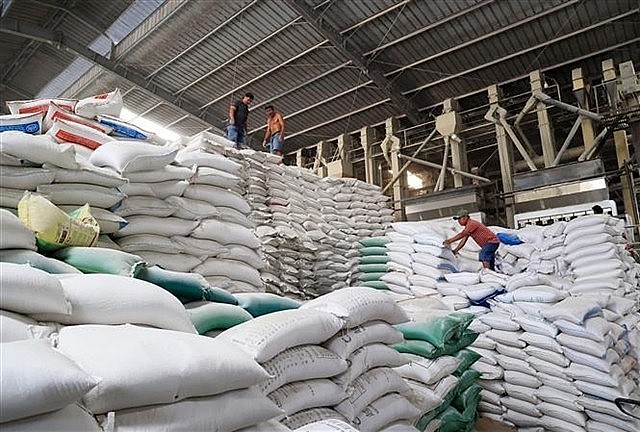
[105, 103]
[39, 105]
[64, 131]
[57, 112]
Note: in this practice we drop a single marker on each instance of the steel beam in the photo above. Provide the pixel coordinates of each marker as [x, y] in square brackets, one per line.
[202, 39]
[483, 37]
[132, 77]
[505, 153]
[580, 90]
[388, 88]
[507, 57]
[397, 176]
[262, 75]
[235, 57]
[451, 170]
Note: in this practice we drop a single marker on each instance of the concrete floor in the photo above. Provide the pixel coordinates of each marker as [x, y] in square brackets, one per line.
[486, 425]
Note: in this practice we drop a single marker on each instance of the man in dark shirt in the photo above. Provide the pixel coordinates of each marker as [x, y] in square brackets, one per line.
[238, 115]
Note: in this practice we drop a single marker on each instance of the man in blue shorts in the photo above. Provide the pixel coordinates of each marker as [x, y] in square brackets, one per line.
[274, 136]
[238, 115]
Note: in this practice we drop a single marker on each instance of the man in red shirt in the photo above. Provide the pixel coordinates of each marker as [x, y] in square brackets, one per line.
[482, 235]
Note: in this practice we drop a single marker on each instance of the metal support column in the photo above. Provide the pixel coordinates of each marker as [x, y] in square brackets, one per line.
[449, 123]
[391, 125]
[581, 92]
[342, 166]
[299, 158]
[366, 140]
[622, 153]
[320, 164]
[544, 121]
[505, 153]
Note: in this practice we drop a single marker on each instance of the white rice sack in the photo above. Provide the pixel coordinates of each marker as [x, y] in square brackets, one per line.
[345, 343]
[301, 363]
[86, 173]
[179, 262]
[78, 194]
[160, 190]
[234, 270]
[388, 409]
[147, 242]
[39, 106]
[537, 293]
[215, 177]
[367, 388]
[14, 327]
[299, 420]
[521, 406]
[522, 379]
[422, 396]
[226, 233]
[201, 159]
[301, 395]
[549, 368]
[521, 392]
[549, 356]
[603, 364]
[358, 305]
[426, 270]
[463, 278]
[29, 389]
[27, 290]
[69, 131]
[514, 364]
[145, 206]
[266, 336]
[499, 321]
[597, 349]
[602, 406]
[573, 309]
[14, 234]
[38, 149]
[218, 197]
[611, 423]
[233, 410]
[595, 328]
[511, 338]
[57, 112]
[329, 425]
[112, 299]
[541, 341]
[272, 425]
[138, 365]
[24, 178]
[127, 156]
[105, 103]
[536, 325]
[589, 374]
[428, 371]
[70, 418]
[369, 357]
[164, 226]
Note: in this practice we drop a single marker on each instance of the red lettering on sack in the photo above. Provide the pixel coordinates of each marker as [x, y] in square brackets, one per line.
[34, 109]
[77, 139]
[101, 96]
[62, 116]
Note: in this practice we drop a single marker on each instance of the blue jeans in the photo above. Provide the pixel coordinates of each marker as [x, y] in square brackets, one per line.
[276, 142]
[488, 254]
[236, 134]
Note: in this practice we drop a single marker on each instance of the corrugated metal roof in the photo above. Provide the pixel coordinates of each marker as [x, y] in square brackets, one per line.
[207, 53]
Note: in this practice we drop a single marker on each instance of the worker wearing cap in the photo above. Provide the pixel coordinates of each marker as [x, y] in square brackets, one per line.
[482, 235]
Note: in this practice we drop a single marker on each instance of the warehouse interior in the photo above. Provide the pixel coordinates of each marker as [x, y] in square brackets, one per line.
[400, 115]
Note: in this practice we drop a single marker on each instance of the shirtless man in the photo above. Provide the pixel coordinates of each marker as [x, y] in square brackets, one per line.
[274, 136]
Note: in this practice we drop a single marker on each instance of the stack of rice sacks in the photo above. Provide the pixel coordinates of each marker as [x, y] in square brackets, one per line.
[557, 349]
[373, 393]
[287, 344]
[123, 373]
[442, 382]
[373, 262]
[224, 236]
